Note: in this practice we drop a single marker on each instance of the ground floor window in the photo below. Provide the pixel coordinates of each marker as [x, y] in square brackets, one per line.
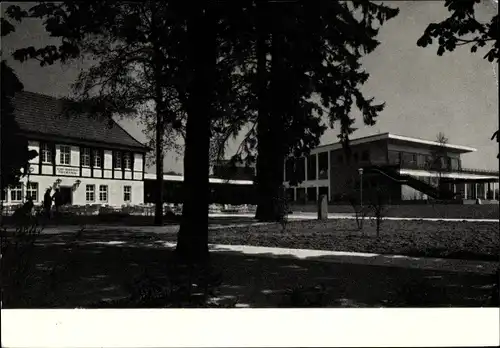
[311, 194]
[323, 190]
[103, 193]
[127, 193]
[301, 195]
[16, 193]
[32, 191]
[90, 193]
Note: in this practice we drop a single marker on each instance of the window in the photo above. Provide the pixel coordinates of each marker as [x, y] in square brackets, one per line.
[408, 158]
[65, 154]
[290, 193]
[323, 166]
[311, 167]
[127, 162]
[85, 156]
[90, 193]
[103, 193]
[32, 191]
[421, 161]
[127, 193]
[323, 190]
[365, 156]
[355, 157]
[300, 167]
[311, 194]
[394, 157]
[16, 193]
[455, 164]
[301, 195]
[289, 164]
[97, 159]
[46, 153]
[118, 159]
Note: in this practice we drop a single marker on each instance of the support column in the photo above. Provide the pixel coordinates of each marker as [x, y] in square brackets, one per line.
[466, 185]
[485, 191]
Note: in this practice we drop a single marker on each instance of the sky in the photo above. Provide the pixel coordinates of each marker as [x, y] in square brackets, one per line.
[424, 94]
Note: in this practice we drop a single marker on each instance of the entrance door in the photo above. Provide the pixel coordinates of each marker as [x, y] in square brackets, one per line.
[66, 195]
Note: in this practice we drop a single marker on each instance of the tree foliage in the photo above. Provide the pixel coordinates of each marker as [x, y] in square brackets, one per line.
[15, 155]
[305, 68]
[463, 28]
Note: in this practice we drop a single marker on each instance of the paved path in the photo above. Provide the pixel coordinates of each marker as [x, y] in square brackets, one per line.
[313, 216]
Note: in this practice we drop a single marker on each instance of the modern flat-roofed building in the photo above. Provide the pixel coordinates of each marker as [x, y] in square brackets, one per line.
[404, 166]
[90, 161]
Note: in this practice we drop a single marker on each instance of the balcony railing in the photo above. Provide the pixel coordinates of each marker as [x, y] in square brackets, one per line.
[448, 169]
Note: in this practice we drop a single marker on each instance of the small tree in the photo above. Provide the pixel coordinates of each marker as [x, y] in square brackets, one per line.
[439, 155]
[377, 202]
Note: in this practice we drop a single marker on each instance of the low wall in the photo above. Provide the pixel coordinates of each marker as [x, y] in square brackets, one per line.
[452, 211]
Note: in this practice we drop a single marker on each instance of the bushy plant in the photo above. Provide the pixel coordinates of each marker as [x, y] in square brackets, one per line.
[17, 256]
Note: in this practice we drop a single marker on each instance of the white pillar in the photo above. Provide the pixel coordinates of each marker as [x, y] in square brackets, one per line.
[465, 189]
[485, 191]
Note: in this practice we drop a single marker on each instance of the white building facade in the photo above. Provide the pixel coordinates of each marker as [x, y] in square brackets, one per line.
[88, 161]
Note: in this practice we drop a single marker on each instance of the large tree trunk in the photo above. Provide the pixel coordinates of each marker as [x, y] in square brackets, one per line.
[270, 158]
[192, 242]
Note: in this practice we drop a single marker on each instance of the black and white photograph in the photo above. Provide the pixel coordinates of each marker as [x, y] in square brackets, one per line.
[238, 156]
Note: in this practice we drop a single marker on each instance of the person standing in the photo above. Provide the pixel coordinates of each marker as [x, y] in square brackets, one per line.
[47, 202]
[57, 200]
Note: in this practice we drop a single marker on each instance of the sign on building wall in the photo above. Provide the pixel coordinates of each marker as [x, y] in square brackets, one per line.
[67, 171]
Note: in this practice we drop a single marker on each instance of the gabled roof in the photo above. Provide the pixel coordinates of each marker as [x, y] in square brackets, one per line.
[394, 137]
[42, 115]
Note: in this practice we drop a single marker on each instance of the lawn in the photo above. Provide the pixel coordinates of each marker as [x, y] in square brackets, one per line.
[460, 240]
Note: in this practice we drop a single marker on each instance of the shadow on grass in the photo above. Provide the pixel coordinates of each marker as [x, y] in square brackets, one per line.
[87, 273]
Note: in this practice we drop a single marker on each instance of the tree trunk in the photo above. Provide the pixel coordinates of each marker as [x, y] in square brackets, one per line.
[159, 167]
[270, 160]
[192, 242]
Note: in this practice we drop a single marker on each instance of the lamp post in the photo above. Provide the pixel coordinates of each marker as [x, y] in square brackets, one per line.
[360, 170]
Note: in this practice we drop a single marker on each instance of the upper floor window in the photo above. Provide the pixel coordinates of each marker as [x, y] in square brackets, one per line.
[455, 163]
[65, 154]
[85, 156]
[365, 156]
[127, 162]
[118, 159]
[311, 167]
[97, 159]
[394, 157]
[323, 166]
[46, 153]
